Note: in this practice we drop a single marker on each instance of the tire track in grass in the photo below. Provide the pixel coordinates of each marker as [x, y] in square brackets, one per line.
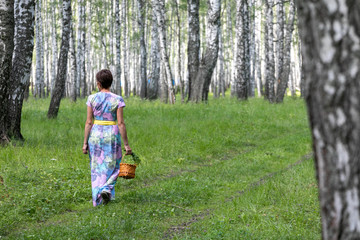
[180, 228]
[196, 166]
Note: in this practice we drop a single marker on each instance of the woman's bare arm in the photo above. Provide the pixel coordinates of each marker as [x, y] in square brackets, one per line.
[122, 128]
[88, 126]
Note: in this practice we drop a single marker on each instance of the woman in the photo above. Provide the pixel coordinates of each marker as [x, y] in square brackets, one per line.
[102, 138]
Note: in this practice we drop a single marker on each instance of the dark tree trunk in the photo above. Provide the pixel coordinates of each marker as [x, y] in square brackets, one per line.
[62, 63]
[269, 51]
[153, 86]
[193, 44]
[330, 34]
[285, 70]
[143, 57]
[208, 62]
[21, 63]
[6, 51]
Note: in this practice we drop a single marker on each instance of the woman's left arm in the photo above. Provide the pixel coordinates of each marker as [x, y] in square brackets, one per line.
[88, 126]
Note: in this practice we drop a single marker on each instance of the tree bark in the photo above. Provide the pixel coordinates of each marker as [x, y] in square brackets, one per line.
[243, 51]
[181, 79]
[285, 69]
[155, 60]
[208, 62]
[73, 65]
[6, 52]
[330, 34]
[125, 59]
[54, 45]
[80, 51]
[143, 57]
[39, 75]
[269, 51]
[21, 63]
[160, 9]
[118, 47]
[62, 63]
[193, 45]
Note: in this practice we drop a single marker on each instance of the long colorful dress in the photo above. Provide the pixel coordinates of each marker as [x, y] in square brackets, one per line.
[104, 144]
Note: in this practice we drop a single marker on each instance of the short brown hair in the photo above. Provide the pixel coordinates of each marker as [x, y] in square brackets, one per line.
[105, 78]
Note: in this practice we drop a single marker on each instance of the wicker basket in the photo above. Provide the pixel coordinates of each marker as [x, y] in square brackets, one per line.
[127, 170]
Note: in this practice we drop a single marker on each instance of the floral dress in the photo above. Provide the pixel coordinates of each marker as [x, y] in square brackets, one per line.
[104, 144]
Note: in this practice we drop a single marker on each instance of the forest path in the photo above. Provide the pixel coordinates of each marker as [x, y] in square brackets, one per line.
[182, 227]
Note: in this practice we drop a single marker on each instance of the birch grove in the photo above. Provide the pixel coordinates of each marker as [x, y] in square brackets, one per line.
[164, 48]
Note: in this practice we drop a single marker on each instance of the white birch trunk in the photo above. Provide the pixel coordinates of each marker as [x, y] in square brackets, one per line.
[118, 47]
[21, 63]
[160, 9]
[269, 51]
[330, 36]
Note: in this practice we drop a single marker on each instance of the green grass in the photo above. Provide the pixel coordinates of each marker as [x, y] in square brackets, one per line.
[200, 163]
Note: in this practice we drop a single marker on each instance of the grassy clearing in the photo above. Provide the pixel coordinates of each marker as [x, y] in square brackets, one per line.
[196, 162]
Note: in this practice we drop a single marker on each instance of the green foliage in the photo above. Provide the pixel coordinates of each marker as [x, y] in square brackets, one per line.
[200, 163]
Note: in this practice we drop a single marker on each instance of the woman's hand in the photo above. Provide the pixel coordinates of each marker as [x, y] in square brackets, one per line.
[85, 148]
[128, 150]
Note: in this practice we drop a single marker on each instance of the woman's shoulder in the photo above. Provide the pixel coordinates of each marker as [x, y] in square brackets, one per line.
[117, 96]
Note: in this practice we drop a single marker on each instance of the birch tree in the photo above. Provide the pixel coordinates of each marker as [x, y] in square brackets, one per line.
[54, 45]
[160, 10]
[285, 69]
[62, 63]
[242, 53]
[208, 62]
[176, 6]
[80, 51]
[279, 38]
[73, 65]
[269, 51]
[6, 51]
[118, 47]
[125, 51]
[193, 45]
[155, 60]
[39, 79]
[143, 57]
[330, 34]
[21, 63]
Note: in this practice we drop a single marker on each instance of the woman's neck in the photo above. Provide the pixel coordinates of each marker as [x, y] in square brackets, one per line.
[104, 90]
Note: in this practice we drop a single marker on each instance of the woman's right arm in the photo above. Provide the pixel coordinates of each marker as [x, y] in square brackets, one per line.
[88, 126]
[122, 128]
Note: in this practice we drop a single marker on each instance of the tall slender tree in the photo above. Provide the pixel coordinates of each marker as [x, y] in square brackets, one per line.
[208, 61]
[62, 66]
[285, 69]
[118, 47]
[153, 87]
[73, 62]
[160, 12]
[21, 63]
[269, 51]
[6, 52]
[39, 78]
[143, 53]
[54, 45]
[181, 80]
[125, 50]
[193, 45]
[80, 51]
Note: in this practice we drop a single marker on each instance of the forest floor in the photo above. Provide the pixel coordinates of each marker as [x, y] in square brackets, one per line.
[222, 170]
